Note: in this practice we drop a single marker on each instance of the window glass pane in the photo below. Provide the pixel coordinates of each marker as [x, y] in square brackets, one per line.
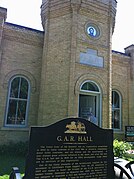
[17, 102]
[112, 99]
[21, 112]
[90, 87]
[15, 88]
[116, 119]
[116, 116]
[87, 108]
[115, 100]
[23, 89]
[11, 112]
[84, 87]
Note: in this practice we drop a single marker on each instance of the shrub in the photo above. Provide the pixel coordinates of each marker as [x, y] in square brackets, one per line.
[120, 148]
[20, 149]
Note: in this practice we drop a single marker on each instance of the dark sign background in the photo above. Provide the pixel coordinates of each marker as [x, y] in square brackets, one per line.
[55, 153]
[129, 133]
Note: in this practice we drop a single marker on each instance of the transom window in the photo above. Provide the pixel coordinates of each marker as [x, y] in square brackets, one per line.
[90, 86]
[116, 110]
[17, 103]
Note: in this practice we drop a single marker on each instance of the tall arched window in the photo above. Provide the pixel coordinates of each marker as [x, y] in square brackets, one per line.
[89, 102]
[17, 102]
[116, 110]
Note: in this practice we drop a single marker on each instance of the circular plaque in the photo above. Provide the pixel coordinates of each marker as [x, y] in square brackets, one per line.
[92, 30]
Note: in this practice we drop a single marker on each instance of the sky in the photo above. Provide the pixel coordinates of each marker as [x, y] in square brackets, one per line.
[27, 13]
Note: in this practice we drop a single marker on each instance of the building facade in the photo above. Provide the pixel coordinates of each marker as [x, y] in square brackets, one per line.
[68, 70]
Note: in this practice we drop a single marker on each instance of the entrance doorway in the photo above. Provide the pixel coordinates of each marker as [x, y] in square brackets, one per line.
[89, 102]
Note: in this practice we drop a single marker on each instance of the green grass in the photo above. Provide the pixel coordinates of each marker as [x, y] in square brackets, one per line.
[4, 177]
[9, 161]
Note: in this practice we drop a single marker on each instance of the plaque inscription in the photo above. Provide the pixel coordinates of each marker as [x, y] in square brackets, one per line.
[71, 161]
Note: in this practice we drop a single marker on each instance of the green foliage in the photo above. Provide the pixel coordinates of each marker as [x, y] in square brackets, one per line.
[4, 177]
[120, 148]
[132, 146]
[9, 161]
[12, 155]
[19, 149]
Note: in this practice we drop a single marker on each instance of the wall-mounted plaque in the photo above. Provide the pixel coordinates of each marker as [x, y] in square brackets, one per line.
[70, 149]
[91, 58]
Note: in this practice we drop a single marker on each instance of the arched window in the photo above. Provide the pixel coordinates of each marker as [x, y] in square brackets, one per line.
[17, 102]
[89, 102]
[89, 86]
[116, 110]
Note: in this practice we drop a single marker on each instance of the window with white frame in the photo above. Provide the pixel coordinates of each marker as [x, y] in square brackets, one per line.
[89, 102]
[17, 102]
[116, 110]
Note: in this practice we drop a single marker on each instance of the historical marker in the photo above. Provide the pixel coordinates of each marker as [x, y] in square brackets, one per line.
[70, 149]
[129, 133]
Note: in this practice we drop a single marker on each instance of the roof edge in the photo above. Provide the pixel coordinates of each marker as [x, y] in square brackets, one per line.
[24, 27]
[121, 53]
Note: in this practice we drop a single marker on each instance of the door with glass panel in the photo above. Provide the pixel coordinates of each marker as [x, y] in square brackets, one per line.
[89, 103]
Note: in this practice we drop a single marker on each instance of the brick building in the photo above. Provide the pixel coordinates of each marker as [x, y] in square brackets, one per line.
[69, 70]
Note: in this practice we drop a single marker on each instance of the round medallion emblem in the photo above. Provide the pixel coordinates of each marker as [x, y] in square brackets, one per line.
[92, 30]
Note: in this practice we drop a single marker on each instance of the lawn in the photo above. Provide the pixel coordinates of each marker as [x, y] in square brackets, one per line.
[7, 162]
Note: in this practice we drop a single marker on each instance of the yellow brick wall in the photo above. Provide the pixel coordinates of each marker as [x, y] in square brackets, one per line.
[64, 24]
[51, 62]
[121, 83]
[21, 55]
